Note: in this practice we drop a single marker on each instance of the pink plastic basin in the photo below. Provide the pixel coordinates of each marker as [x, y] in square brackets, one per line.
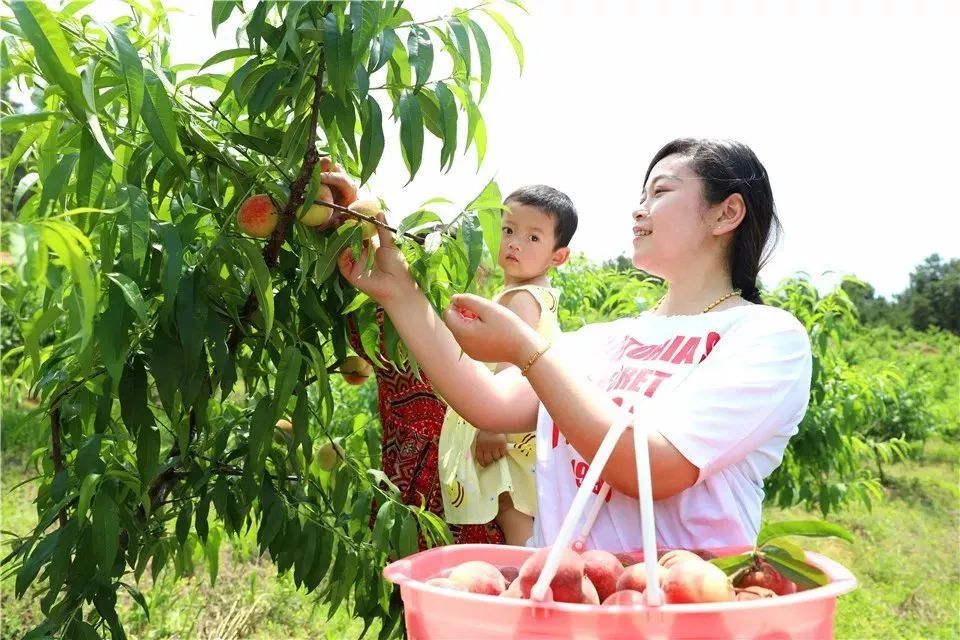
[433, 613]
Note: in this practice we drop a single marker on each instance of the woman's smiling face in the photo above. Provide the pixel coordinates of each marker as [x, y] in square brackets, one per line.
[669, 226]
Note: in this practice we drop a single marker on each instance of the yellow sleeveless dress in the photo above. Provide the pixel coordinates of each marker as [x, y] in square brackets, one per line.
[470, 492]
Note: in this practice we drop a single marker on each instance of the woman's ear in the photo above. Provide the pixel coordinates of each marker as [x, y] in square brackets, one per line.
[560, 256]
[730, 214]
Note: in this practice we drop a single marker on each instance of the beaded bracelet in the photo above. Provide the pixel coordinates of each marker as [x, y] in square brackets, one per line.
[533, 359]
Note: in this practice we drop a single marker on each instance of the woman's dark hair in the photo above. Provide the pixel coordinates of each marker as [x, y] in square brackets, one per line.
[726, 168]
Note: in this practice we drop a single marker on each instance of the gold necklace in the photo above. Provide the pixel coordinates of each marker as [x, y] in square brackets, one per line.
[707, 308]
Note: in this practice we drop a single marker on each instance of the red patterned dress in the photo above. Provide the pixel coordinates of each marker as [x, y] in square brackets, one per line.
[411, 417]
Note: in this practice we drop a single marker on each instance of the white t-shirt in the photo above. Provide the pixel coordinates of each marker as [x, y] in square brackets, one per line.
[726, 388]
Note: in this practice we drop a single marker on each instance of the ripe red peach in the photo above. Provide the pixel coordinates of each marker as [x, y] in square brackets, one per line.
[696, 581]
[355, 370]
[634, 578]
[671, 558]
[446, 583]
[567, 584]
[510, 574]
[513, 591]
[589, 592]
[603, 569]
[767, 577]
[257, 216]
[754, 593]
[625, 597]
[479, 577]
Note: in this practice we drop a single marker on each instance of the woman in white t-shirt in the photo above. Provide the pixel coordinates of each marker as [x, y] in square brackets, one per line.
[721, 380]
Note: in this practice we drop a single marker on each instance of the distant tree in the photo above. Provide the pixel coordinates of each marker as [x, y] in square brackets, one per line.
[874, 309]
[933, 297]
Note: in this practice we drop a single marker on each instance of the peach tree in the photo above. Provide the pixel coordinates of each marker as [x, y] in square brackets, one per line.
[164, 344]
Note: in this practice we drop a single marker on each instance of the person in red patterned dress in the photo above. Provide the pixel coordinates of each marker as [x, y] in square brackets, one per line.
[411, 417]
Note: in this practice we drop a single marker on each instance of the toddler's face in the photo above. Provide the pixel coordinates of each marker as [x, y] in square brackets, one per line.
[527, 247]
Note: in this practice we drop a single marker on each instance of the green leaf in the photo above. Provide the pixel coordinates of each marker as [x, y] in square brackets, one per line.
[28, 253]
[67, 242]
[184, 518]
[173, 263]
[488, 207]
[138, 598]
[18, 121]
[131, 294]
[106, 529]
[262, 282]
[346, 122]
[733, 564]
[265, 93]
[89, 94]
[365, 17]
[93, 170]
[288, 374]
[448, 119]
[211, 553]
[161, 122]
[483, 48]
[458, 33]
[371, 141]
[411, 132]
[148, 454]
[417, 219]
[337, 47]
[27, 138]
[473, 239]
[408, 537]
[131, 71]
[809, 528]
[221, 12]
[805, 575]
[134, 230]
[56, 182]
[133, 397]
[383, 46]
[111, 333]
[420, 53]
[507, 31]
[228, 54]
[43, 31]
[87, 490]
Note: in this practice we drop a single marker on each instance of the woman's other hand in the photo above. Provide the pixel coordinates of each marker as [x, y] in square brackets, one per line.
[490, 332]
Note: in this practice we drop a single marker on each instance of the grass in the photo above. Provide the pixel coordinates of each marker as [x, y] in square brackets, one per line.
[905, 557]
[906, 552]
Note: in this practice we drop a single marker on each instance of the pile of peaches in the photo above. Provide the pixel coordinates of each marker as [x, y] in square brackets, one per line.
[599, 577]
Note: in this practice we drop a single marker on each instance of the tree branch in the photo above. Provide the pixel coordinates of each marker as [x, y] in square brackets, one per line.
[57, 453]
[271, 251]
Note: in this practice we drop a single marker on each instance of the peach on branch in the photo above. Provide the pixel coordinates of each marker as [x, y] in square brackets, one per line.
[258, 216]
[355, 370]
[329, 455]
[319, 214]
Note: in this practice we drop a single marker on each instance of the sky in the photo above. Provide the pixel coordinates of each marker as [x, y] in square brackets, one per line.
[851, 106]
